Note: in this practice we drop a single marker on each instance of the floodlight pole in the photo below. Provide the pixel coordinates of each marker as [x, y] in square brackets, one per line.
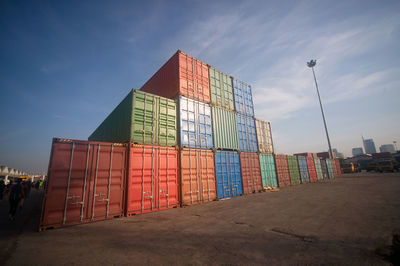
[311, 64]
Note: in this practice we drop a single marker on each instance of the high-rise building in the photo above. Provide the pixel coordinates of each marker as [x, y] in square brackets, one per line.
[338, 154]
[387, 148]
[357, 151]
[369, 146]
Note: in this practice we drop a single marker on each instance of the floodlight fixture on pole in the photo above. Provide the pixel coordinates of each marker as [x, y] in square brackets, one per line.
[312, 64]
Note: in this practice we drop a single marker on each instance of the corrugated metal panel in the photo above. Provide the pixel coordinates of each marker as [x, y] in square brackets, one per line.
[243, 97]
[251, 175]
[264, 136]
[330, 168]
[181, 75]
[324, 169]
[338, 168]
[334, 168]
[318, 168]
[142, 118]
[197, 176]
[85, 183]
[152, 179]
[311, 169]
[224, 129]
[282, 170]
[268, 170]
[305, 178]
[294, 171]
[195, 124]
[221, 89]
[246, 133]
[228, 174]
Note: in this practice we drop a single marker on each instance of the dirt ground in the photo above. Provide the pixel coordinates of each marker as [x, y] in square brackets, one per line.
[348, 220]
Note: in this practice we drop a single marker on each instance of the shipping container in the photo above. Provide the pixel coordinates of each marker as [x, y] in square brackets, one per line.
[243, 98]
[195, 124]
[228, 174]
[312, 172]
[314, 155]
[181, 75]
[152, 179]
[221, 89]
[318, 168]
[264, 136]
[324, 169]
[225, 130]
[334, 168]
[85, 183]
[141, 118]
[268, 170]
[251, 175]
[305, 177]
[282, 170]
[197, 171]
[325, 155]
[329, 168]
[338, 167]
[246, 133]
[294, 171]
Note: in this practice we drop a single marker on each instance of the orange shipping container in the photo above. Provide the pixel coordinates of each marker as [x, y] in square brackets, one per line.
[197, 176]
[251, 174]
[181, 75]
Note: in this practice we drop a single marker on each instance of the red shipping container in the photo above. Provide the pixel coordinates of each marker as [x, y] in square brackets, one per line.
[311, 169]
[197, 174]
[152, 179]
[181, 75]
[334, 168]
[282, 170]
[338, 168]
[251, 173]
[85, 183]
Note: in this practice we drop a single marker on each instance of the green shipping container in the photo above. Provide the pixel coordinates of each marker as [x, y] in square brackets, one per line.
[318, 168]
[294, 170]
[330, 168]
[224, 129]
[142, 118]
[221, 89]
[268, 170]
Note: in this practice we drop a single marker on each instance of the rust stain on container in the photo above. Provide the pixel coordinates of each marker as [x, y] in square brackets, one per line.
[197, 172]
[251, 174]
[85, 183]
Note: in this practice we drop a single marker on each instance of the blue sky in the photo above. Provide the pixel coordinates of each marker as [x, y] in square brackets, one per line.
[65, 65]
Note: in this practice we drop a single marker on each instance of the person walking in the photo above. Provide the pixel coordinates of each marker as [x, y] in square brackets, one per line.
[15, 194]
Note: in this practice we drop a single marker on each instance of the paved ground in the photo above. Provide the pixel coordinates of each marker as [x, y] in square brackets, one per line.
[348, 220]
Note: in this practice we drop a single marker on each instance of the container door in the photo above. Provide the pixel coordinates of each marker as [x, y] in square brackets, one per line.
[167, 179]
[190, 177]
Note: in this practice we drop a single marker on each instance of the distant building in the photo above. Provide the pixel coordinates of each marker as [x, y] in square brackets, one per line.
[387, 148]
[357, 151]
[338, 154]
[369, 146]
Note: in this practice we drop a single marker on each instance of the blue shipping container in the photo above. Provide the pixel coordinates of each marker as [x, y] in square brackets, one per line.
[195, 126]
[228, 174]
[305, 177]
[247, 133]
[243, 98]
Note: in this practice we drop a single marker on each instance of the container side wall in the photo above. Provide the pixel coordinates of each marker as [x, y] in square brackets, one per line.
[311, 169]
[243, 98]
[246, 133]
[264, 136]
[228, 174]
[268, 170]
[294, 171]
[282, 170]
[305, 177]
[318, 168]
[251, 175]
[224, 129]
[324, 169]
[221, 89]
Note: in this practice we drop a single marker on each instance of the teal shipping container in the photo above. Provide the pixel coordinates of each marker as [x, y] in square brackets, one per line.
[141, 118]
[268, 170]
[318, 168]
[329, 167]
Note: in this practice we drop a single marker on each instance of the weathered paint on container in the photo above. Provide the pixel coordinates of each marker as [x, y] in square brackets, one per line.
[251, 175]
[141, 118]
[181, 75]
[318, 168]
[282, 170]
[195, 126]
[294, 171]
[338, 168]
[243, 97]
[221, 89]
[85, 183]
[329, 168]
[305, 177]
[324, 169]
[312, 172]
[246, 133]
[334, 168]
[228, 174]
[264, 136]
[152, 179]
[197, 171]
[225, 130]
[268, 170]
